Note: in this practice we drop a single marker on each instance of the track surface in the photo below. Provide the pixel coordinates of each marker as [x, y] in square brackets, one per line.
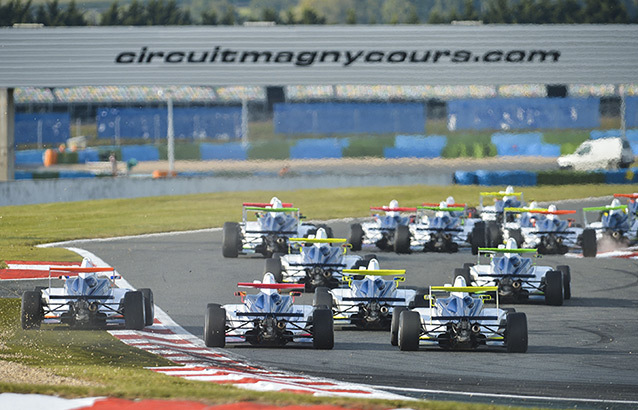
[586, 349]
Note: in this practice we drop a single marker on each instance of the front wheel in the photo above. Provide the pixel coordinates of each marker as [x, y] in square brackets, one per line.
[516, 333]
[567, 280]
[215, 326]
[31, 310]
[133, 307]
[273, 265]
[231, 240]
[323, 335]
[554, 288]
[394, 325]
[589, 245]
[149, 306]
[356, 236]
[409, 330]
[402, 239]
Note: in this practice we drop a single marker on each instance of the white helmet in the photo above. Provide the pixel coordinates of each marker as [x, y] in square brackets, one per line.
[509, 190]
[275, 202]
[533, 205]
[511, 244]
[441, 212]
[450, 200]
[373, 264]
[551, 208]
[393, 204]
[86, 263]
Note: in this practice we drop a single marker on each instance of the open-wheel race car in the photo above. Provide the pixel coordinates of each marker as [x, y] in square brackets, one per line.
[88, 300]
[517, 278]
[380, 232]
[275, 223]
[617, 225]
[541, 229]
[268, 319]
[459, 321]
[369, 300]
[436, 228]
[319, 263]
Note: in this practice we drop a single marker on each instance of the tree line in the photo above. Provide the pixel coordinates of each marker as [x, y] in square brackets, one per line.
[226, 12]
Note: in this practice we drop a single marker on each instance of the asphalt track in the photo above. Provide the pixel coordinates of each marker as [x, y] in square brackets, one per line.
[583, 354]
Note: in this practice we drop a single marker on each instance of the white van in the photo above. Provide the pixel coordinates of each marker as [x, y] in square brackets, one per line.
[602, 153]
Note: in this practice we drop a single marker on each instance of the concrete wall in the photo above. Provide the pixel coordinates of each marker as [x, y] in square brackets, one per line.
[67, 190]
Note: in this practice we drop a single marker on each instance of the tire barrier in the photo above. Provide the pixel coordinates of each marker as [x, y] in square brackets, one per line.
[529, 178]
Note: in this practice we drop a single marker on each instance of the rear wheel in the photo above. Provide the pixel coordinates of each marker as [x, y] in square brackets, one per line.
[149, 306]
[356, 236]
[554, 288]
[273, 265]
[322, 298]
[231, 241]
[409, 330]
[516, 333]
[394, 325]
[567, 280]
[31, 310]
[322, 329]
[215, 326]
[494, 235]
[133, 307]
[478, 237]
[402, 239]
[590, 248]
[465, 274]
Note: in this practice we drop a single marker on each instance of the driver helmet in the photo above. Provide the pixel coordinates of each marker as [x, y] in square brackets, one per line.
[533, 205]
[86, 263]
[551, 208]
[373, 264]
[275, 203]
[442, 213]
[450, 201]
[508, 193]
[614, 203]
[393, 204]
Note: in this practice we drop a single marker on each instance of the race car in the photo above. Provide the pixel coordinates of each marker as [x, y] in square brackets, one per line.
[617, 225]
[276, 223]
[89, 300]
[459, 322]
[268, 319]
[486, 224]
[540, 228]
[369, 300]
[444, 231]
[380, 232]
[517, 278]
[319, 263]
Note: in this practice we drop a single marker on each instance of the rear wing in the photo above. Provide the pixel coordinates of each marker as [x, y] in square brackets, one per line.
[319, 240]
[454, 205]
[603, 208]
[397, 209]
[266, 204]
[630, 196]
[348, 274]
[265, 209]
[277, 286]
[543, 211]
[439, 208]
[504, 250]
[497, 194]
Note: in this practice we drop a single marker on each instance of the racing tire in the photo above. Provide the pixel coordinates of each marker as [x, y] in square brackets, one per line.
[590, 248]
[323, 333]
[215, 326]
[493, 234]
[273, 265]
[516, 333]
[517, 235]
[402, 239]
[231, 240]
[394, 325]
[149, 306]
[322, 298]
[477, 237]
[468, 265]
[465, 274]
[554, 288]
[409, 330]
[31, 312]
[356, 236]
[133, 307]
[567, 280]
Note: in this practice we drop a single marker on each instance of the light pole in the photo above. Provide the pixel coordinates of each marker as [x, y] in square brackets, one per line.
[170, 132]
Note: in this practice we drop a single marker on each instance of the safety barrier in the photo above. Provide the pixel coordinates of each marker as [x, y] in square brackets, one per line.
[554, 177]
[631, 111]
[222, 123]
[46, 128]
[526, 144]
[140, 152]
[230, 151]
[523, 113]
[30, 157]
[318, 148]
[416, 146]
[349, 118]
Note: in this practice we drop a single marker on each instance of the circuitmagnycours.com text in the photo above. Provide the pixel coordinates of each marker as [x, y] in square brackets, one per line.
[221, 55]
